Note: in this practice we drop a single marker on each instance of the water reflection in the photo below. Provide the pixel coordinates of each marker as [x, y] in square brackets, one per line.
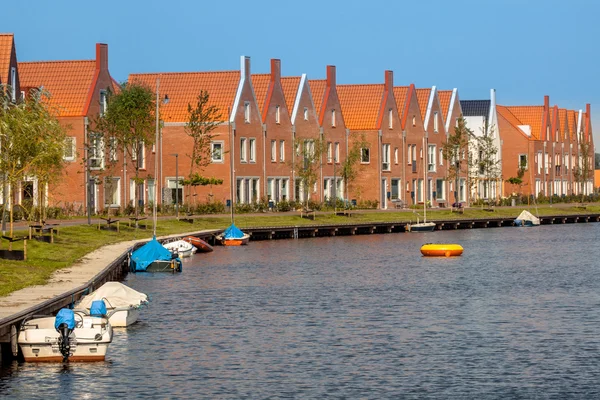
[357, 317]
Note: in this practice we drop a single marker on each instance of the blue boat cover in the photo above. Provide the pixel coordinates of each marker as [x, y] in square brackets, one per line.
[149, 253]
[98, 308]
[65, 316]
[233, 232]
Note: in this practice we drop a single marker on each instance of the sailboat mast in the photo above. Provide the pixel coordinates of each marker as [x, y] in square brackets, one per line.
[425, 194]
[155, 199]
[230, 162]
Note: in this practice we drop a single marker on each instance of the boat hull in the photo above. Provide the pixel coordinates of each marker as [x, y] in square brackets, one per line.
[123, 318]
[234, 241]
[200, 244]
[164, 266]
[422, 227]
[441, 250]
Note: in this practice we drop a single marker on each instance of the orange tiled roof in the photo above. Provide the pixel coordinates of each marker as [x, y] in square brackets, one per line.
[361, 105]
[423, 99]
[6, 45]
[572, 121]
[445, 96]
[317, 90]
[290, 84]
[68, 83]
[260, 82]
[183, 89]
[510, 117]
[400, 94]
[529, 115]
[562, 119]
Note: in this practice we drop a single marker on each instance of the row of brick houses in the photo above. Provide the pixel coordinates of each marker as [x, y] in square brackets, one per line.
[263, 115]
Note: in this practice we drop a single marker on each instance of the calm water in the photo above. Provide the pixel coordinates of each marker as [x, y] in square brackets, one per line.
[517, 316]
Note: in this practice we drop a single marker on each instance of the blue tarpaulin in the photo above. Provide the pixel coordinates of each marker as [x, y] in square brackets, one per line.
[233, 232]
[65, 316]
[149, 253]
[98, 308]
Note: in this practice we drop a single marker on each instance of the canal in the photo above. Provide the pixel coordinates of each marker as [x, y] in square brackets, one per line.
[517, 316]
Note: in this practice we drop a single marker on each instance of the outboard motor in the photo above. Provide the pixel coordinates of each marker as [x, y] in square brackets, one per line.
[64, 325]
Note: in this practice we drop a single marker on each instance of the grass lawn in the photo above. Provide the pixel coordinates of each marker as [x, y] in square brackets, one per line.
[76, 241]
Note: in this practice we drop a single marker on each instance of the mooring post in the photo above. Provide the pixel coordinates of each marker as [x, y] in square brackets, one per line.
[14, 346]
[51, 235]
[29, 233]
[25, 249]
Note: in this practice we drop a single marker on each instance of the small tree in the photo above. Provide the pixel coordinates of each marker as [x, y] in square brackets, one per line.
[32, 142]
[195, 180]
[352, 161]
[307, 162]
[486, 163]
[129, 123]
[518, 180]
[583, 171]
[455, 150]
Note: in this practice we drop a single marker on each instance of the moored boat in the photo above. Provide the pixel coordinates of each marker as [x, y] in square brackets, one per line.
[421, 227]
[154, 257]
[122, 303]
[232, 236]
[70, 336]
[441, 250]
[180, 248]
[200, 244]
[527, 219]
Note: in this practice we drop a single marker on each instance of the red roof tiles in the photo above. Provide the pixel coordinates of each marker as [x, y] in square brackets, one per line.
[510, 117]
[529, 115]
[260, 82]
[445, 96]
[423, 99]
[6, 46]
[183, 89]
[68, 83]
[361, 105]
[290, 86]
[317, 90]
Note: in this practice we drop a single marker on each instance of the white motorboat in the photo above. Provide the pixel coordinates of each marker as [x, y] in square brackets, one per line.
[180, 247]
[122, 303]
[70, 336]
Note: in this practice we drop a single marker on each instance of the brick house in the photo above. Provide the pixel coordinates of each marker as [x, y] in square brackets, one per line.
[9, 68]
[451, 112]
[333, 133]
[232, 93]
[277, 130]
[78, 92]
[435, 134]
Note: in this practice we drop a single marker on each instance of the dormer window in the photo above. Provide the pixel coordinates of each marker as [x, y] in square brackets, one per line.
[103, 103]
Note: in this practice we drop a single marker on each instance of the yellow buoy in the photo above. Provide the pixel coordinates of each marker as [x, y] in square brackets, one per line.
[441, 250]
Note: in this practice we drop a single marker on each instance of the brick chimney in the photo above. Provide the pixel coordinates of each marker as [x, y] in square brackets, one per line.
[546, 103]
[331, 75]
[389, 80]
[101, 56]
[275, 70]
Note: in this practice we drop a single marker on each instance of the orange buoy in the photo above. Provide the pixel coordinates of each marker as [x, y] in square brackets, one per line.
[441, 250]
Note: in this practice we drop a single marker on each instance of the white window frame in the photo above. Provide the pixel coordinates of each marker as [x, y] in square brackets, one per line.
[103, 102]
[282, 151]
[395, 156]
[431, 154]
[441, 155]
[333, 118]
[117, 192]
[277, 114]
[213, 152]
[112, 151]
[243, 150]
[273, 150]
[252, 149]
[362, 155]
[96, 152]
[437, 194]
[247, 112]
[390, 119]
[435, 122]
[414, 120]
[336, 152]
[526, 161]
[70, 145]
[385, 159]
[329, 152]
[306, 113]
[13, 84]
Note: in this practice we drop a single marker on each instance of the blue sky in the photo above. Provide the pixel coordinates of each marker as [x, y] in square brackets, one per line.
[524, 49]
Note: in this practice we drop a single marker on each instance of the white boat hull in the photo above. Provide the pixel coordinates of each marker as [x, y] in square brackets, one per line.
[123, 318]
[38, 340]
[181, 248]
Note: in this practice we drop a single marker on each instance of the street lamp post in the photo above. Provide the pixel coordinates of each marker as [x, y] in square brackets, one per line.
[176, 184]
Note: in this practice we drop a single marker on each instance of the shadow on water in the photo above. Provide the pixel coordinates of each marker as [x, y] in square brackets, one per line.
[365, 316]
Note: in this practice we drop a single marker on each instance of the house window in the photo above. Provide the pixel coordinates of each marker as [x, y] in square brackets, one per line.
[396, 155]
[414, 120]
[385, 163]
[243, 150]
[395, 189]
[365, 156]
[112, 192]
[523, 161]
[273, 150]
[431, 158]
[176, 190]
[96, 151]
[414, 153]
[216, 151]
[141, 151]
[277, 114]
[247, 112]
[103, 103]
[333, 118]
[439, 189]
[306, 113]
[252, 150]
[13, 84]
[282, 150]
[336, 152]
[137, 192]
[69, 154]
[390, 119]
[435, 121]
[409, 154]
[112, 150]
[441, 156]
[329, 152]
[151, 191]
